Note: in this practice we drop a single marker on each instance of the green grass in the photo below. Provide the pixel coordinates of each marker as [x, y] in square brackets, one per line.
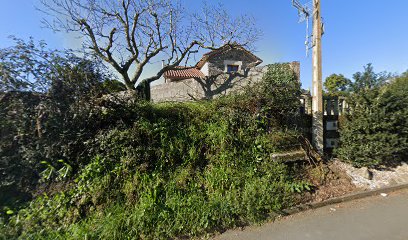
[170, 171]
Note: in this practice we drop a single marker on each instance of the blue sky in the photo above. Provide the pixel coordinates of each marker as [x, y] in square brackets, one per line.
[357, 32]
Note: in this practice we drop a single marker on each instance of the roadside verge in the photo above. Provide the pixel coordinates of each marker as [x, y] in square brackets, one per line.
[345, 198]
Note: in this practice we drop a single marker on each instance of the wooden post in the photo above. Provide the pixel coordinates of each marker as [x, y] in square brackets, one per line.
[317, 85]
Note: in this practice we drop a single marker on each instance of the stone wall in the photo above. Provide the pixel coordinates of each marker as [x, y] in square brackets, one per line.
[216, 64]
[210, 87]
[184, 90]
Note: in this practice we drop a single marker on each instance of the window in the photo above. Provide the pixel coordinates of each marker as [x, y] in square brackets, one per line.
[232, 68]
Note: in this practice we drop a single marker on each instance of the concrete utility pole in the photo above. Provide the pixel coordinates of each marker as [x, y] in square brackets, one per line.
[305, 11]
[317, 84]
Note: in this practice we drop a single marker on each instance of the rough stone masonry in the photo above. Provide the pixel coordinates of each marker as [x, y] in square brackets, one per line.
[212, 76]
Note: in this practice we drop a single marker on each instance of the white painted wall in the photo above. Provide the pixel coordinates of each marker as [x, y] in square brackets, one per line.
[205, 69]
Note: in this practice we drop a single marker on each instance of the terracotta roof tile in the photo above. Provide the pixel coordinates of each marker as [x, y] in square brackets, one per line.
[183, 73]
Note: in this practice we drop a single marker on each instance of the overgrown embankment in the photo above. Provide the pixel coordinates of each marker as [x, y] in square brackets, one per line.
[159, 171]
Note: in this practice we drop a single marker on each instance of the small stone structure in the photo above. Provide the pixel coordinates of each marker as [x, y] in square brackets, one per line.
[219, 72]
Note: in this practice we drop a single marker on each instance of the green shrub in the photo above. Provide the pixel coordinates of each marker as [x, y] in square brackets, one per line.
[160, 171]
[46, 115]
[376, 133]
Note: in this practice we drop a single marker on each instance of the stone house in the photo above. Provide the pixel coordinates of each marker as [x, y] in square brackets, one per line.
[218, 72]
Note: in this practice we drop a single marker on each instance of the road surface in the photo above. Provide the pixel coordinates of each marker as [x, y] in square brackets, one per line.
[373, 218]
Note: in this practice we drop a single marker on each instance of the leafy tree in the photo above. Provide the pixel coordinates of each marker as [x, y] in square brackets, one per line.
[368, 79]
[26, 66]
[31, 66]
[337, 84]
[129, 34]
[45, 112]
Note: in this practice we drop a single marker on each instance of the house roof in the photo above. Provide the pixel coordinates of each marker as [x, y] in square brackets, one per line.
[223, 49]
[182, 72]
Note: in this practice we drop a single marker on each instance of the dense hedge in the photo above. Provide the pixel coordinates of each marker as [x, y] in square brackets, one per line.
[39, 130]
[159, 171]
[375, 134]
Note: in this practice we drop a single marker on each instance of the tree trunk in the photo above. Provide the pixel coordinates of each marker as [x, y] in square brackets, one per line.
[128, 82]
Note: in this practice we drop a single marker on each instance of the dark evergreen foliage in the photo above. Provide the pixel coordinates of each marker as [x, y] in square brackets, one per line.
[375, 134]
[45, 114]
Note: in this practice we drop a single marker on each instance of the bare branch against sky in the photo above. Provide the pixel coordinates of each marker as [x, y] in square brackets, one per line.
[129, 34]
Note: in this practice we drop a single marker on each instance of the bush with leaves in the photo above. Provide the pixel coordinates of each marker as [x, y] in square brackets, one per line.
[376, 133]
[160, 171]
[177, 170]
[46, 107]
[277, 95]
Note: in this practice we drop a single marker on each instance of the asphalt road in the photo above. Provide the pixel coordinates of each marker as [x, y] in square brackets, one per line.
[373, 218]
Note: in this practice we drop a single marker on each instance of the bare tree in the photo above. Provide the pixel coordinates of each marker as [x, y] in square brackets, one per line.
[129, 34]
